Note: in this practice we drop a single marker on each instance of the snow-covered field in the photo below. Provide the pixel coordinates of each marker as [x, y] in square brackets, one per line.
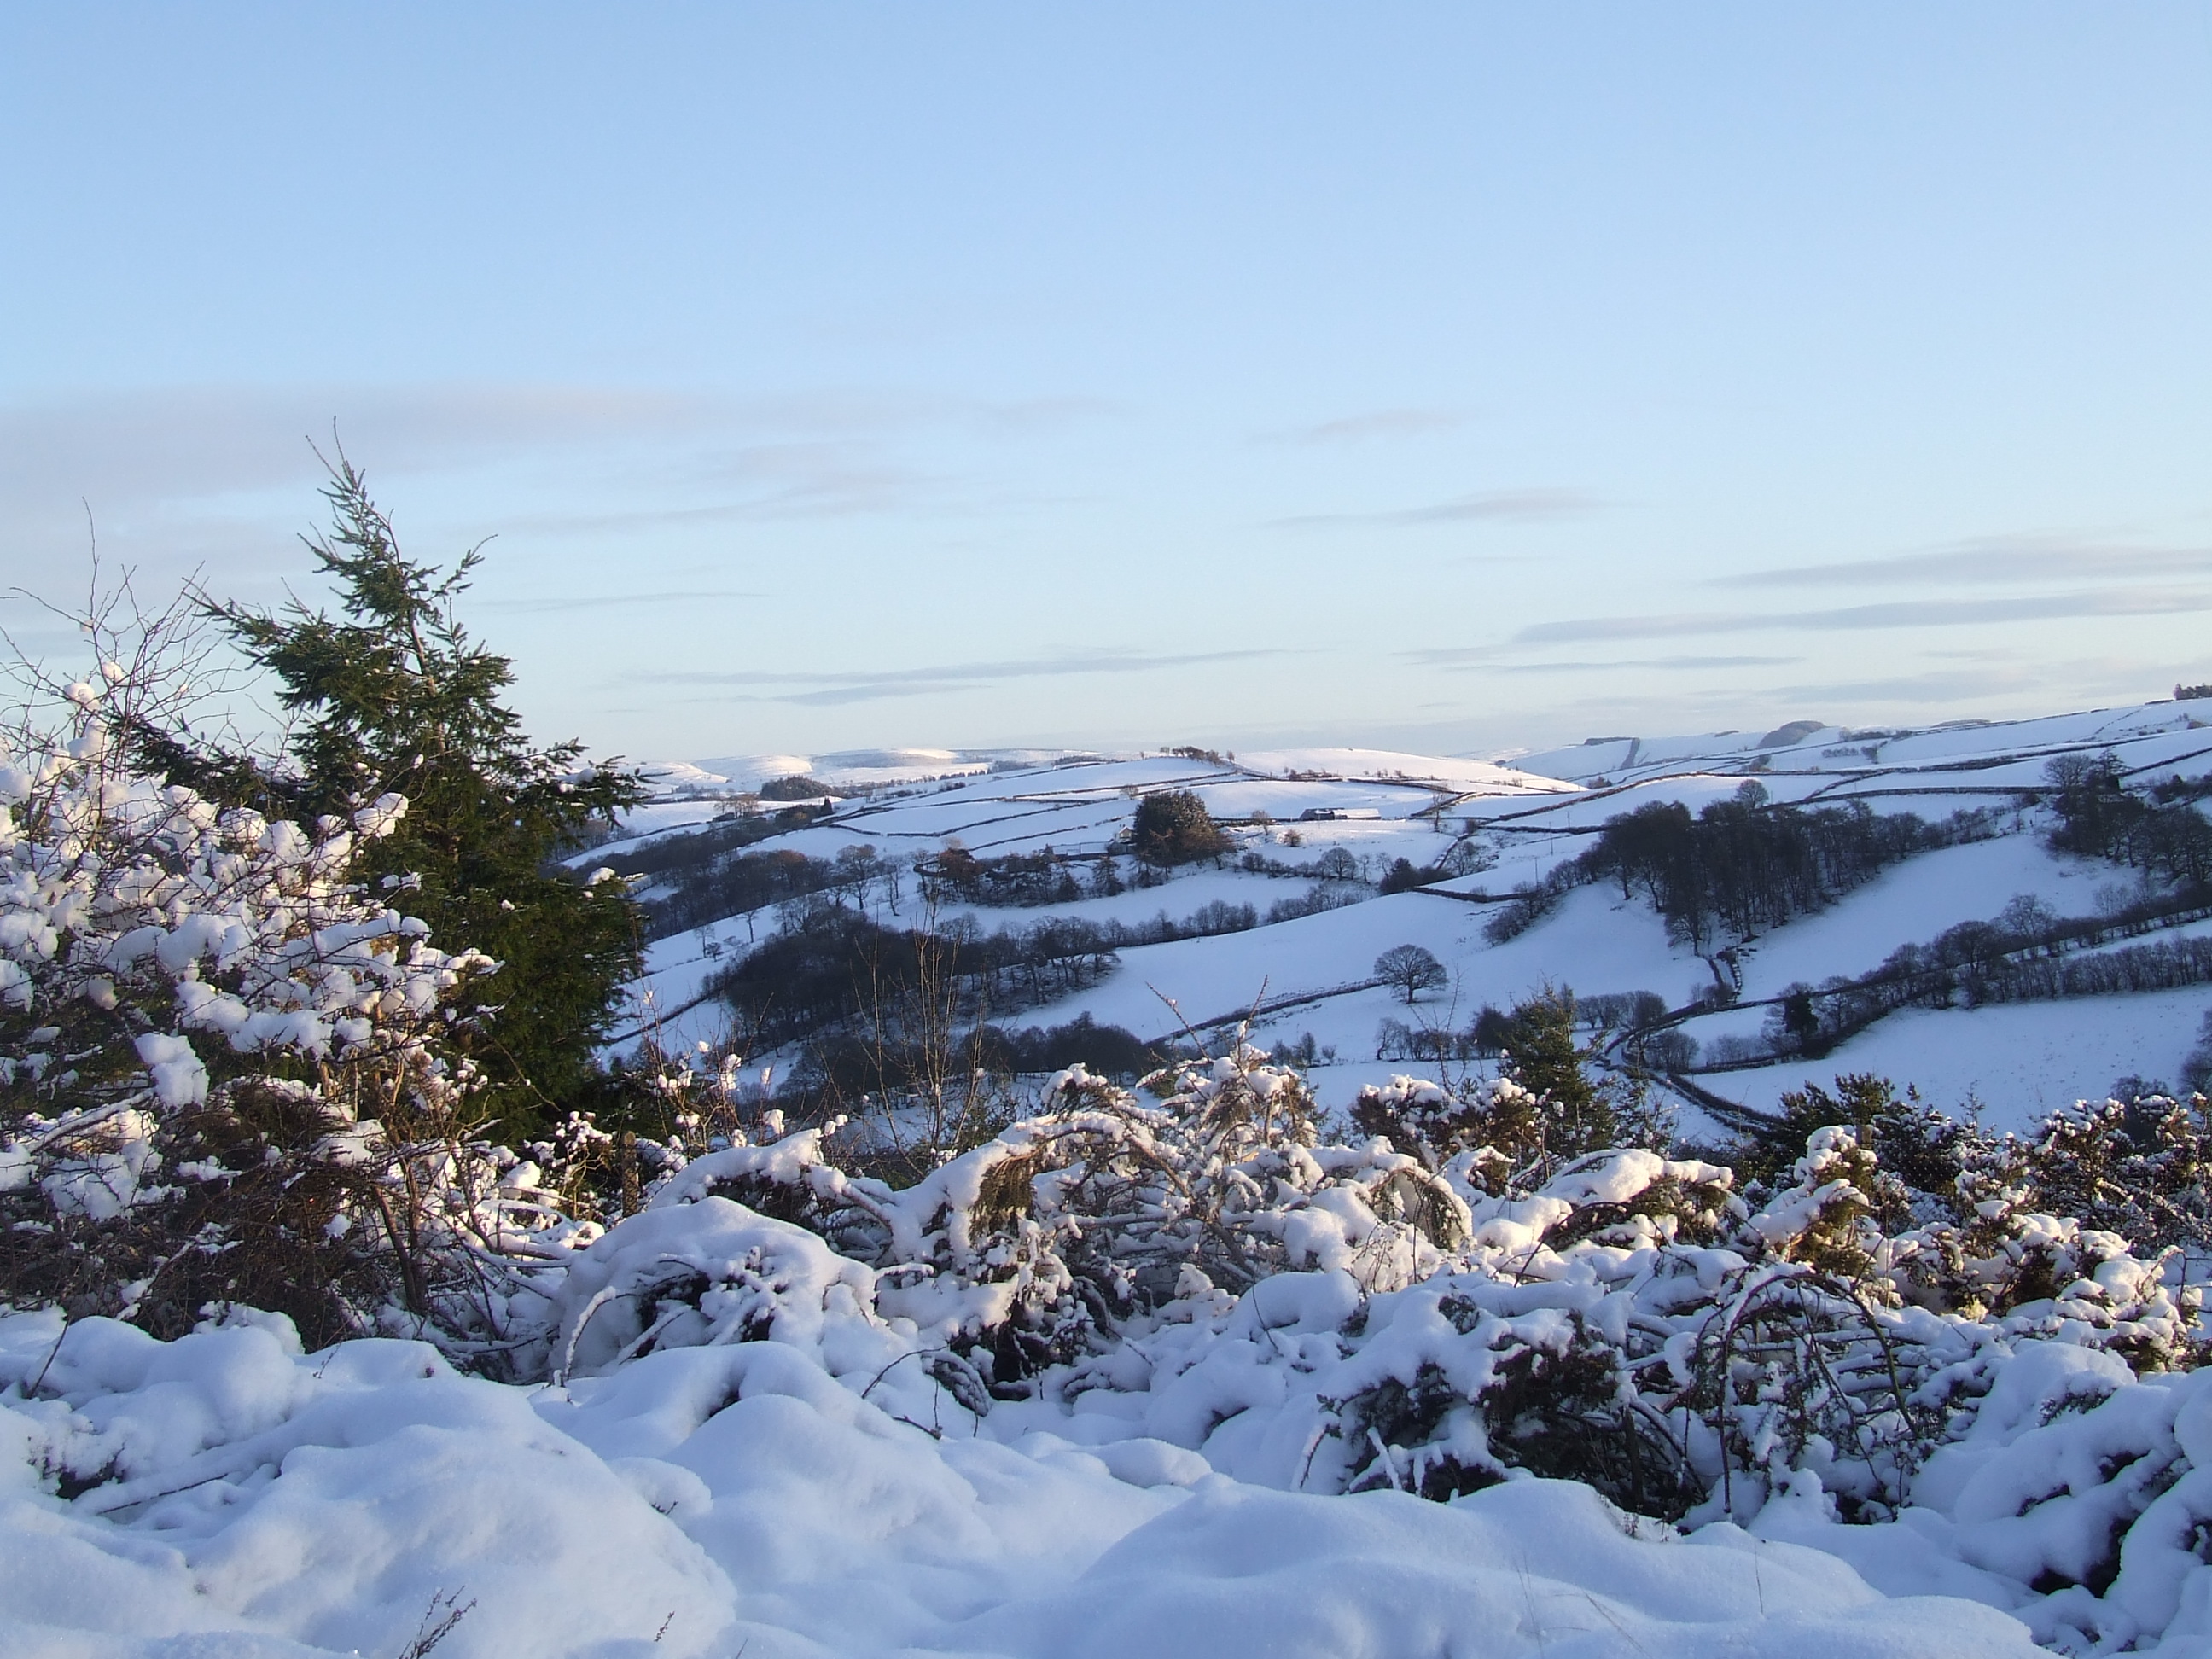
[1312, 975]
[2010, 1064]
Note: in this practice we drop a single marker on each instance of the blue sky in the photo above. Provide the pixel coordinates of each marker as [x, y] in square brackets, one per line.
[1441, 376]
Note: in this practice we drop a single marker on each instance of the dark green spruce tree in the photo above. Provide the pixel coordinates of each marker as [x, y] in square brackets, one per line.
[392, 694]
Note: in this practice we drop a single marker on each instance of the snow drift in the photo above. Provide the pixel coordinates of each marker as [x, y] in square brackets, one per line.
[712, 1501]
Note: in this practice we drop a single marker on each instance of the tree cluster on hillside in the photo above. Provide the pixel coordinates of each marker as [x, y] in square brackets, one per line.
[732, 885]
[2100, 817]
[797, 786]
[829, 964]
[1404, 876]
[1736, 867]
[2026, 954]
[1465, 856]
[1009, 879]
[1039, 1051]
[836, 966]
[704, 875]
[1812, 1021]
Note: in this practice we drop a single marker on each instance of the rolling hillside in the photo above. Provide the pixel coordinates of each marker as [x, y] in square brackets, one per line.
[1323, 827]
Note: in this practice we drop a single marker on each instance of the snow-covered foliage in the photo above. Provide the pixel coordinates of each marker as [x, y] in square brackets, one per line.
[1815, 1322]
[224, 1065]
[800, 1406]
[1026, 1251]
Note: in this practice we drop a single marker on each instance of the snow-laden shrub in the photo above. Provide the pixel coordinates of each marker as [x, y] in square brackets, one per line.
[1028, 1250]
[1636, 1325]
[702, 1275]
[222, 1072]
[2136, 1169]
[2141, 1167]
[1555, 1099]
[1624, 1318]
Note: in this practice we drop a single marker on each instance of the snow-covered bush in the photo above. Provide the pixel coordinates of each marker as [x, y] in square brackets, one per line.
[1636, 1325]
[1623, 1318]
[1026, 1251]
[1544, 1108]
[223, 1067]
[2140, 1168]
[1486, 1130]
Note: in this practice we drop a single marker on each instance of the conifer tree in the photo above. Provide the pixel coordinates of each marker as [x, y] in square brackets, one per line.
[1548, 1059]
[391, 693]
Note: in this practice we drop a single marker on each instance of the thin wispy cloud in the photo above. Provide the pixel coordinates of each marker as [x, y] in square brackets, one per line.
[831, 688]
[1484, 658]
[1937, 685]
[2022, 677]
[824, 483]
[1997, 559]
[220, 478]
[202, 441]
[1494, 506]
[618, 601]
[1908, 613]
[1664, 664]
[837, 696]
[167, 444]
[1383, 423]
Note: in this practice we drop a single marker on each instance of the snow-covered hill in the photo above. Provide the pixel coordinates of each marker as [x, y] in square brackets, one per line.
[1336, 820]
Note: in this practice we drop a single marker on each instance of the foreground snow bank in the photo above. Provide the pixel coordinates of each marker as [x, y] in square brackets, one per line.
[224, 1494]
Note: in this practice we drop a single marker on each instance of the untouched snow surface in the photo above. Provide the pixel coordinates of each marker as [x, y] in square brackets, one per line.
[741, 1500]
